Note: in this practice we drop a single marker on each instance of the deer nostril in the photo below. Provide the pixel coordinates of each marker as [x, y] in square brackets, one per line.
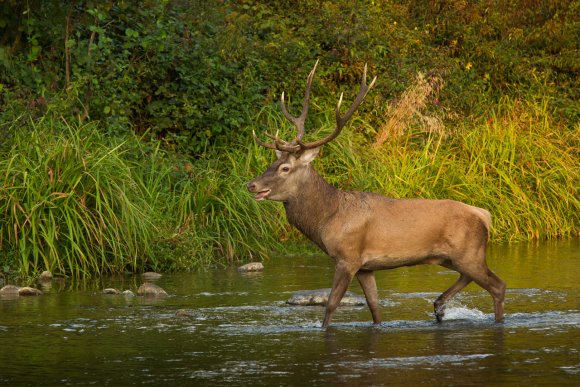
[251, 186]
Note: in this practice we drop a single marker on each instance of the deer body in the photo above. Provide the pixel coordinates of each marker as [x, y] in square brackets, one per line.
[363, 232]
[382, 232]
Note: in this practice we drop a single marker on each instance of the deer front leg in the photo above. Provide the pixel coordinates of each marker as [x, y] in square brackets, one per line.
[342, 278]
[369, 286]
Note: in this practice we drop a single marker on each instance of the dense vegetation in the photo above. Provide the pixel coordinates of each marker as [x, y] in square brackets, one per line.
[125, 126]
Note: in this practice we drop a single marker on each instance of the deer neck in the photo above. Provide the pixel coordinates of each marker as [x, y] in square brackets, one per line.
[313, 206]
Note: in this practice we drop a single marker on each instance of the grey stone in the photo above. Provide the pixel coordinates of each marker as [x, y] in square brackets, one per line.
[251, 267]
[320, 297]
[28, 291]
[151, 276]
[45, 276]
[151, 290]
[9, 290]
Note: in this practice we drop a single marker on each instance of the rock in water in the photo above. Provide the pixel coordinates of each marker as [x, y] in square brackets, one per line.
[183, 313]
[45, 276]
[151, 290]
[251, 267]
[111, 291]
[320, 297]
[28, 291]
[9, 290]
[151, 276]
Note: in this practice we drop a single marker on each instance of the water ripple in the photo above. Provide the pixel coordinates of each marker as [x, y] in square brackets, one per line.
[459, 360]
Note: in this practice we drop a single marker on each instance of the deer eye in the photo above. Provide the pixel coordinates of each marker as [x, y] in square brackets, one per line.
[285, 168]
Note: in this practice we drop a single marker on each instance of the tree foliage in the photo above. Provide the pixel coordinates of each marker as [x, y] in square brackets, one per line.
[195, 73]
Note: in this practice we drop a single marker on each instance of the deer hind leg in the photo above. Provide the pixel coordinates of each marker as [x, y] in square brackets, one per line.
[490, 282]
[439, 304]
[496, 287]
[369, 286]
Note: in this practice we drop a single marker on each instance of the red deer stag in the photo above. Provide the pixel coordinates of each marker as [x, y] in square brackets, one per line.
[363, 232]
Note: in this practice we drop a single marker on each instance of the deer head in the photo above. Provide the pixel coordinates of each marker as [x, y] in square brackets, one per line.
[286, 175]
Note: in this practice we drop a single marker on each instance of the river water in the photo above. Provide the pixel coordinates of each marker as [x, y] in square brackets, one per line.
[238, 330]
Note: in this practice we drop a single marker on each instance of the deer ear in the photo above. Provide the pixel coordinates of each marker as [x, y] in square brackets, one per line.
[278, 153]
[308, 155]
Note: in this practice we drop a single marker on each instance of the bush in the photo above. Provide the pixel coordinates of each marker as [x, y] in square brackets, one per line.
[196, 73]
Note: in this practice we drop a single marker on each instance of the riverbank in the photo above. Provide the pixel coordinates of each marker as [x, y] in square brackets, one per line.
[79, 203]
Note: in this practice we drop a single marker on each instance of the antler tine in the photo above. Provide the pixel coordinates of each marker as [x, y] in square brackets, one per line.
[364, 89]
[275, 137]
[262, 143]
[342, 120]
[278, 143]
[299, 121]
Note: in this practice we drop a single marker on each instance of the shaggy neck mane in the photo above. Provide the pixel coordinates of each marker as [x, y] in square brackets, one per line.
[310, 209]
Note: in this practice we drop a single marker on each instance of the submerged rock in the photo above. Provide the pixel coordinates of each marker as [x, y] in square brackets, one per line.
[151, 276]
[183, 313]
[45, 276]
[28, 291]
[320, 297]
[251, 267]
[151, 290]
[9, 290]
[111, 291]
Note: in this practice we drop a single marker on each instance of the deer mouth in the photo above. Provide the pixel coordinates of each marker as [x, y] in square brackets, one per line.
[262, 194]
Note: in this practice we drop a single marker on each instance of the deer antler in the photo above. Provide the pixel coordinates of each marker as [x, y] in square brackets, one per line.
[297, 145]
[342, 120]
[300, 120]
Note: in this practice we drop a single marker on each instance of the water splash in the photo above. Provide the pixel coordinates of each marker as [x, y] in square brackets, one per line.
[464, 313]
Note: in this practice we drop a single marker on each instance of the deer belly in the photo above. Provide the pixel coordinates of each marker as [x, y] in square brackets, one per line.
[391, 262]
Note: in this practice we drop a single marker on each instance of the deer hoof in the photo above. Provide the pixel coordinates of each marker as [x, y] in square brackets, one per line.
[439, 312]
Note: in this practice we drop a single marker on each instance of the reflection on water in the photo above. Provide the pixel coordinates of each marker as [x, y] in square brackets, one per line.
[238, 330]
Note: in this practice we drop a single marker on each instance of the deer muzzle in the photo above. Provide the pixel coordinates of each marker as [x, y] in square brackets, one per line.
[261, 194]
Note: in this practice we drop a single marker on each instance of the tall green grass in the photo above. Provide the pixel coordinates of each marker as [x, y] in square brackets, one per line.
[69, 202]
[220, 217]
[78, 203]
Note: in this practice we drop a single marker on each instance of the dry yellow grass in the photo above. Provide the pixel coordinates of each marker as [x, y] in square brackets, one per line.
[411, 109]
